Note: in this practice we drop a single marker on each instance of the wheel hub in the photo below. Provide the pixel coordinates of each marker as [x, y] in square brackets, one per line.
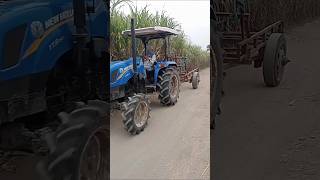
[93, 157]
[173, 86]
[141, 114]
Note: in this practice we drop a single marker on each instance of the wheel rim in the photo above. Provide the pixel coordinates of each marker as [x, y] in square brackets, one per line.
[93, 160]
[173, 86]
[141, 114]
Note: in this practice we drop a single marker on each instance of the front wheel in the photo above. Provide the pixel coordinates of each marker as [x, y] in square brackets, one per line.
[79, 149]
[135, 113]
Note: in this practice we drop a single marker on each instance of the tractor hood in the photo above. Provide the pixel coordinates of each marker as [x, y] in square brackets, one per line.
[118, 64]
[15, 5]
[121, 71]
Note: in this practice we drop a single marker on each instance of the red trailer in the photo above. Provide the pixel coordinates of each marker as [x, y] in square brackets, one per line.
[266, 48]
[188, 72]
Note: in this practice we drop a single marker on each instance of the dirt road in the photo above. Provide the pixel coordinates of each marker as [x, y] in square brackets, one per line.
[176, 143]
[273, 133]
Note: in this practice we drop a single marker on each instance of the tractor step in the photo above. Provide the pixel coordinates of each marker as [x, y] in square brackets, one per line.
[151, 88]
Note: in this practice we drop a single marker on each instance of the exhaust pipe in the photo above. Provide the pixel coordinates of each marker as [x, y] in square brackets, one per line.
[79, 12]
[133, 45]
[80, 36]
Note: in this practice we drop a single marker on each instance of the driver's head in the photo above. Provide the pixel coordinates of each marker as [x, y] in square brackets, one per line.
[150, 51]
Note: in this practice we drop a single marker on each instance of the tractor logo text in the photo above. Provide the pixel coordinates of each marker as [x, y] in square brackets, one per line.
[58, 18]
[55, 43]
[122, 71]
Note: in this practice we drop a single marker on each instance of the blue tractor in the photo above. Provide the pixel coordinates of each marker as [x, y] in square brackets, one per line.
[54, 84]
[134, 78]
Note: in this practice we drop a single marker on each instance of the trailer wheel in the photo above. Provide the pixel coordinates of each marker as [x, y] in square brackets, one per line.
[169, 86]
[135, 113]
[195, 80]
[79, 149]
[274, 59]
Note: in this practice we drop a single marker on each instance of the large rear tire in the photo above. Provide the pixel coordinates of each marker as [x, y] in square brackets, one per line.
[169, 86]
[79, 149]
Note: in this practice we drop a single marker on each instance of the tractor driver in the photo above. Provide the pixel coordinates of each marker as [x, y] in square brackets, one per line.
[151, 55]
[150, 59]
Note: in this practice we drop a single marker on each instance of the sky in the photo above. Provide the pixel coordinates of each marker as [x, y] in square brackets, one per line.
[193, 15]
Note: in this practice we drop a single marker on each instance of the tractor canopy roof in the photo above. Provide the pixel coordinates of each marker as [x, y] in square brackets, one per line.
[155, 32]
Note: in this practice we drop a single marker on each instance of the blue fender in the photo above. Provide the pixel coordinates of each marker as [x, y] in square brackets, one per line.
[161, 65]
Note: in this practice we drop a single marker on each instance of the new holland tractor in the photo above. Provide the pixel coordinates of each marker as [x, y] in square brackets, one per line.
[134, 78]
[54, 85]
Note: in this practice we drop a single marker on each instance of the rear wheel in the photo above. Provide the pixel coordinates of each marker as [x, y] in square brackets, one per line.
[169, 86]
[135, 113]
[275, 57]
[79, 149]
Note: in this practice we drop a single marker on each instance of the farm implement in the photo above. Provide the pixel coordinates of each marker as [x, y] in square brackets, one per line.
[234, 43]
[188, 72]
[266, 48]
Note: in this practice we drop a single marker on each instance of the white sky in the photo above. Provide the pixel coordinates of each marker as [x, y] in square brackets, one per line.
[193, 15]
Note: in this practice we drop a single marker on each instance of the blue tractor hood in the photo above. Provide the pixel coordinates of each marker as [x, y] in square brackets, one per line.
[121, 71]
[114, 65]
[16, 5]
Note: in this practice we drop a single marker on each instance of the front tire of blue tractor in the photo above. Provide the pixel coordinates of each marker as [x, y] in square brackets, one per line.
[79, 149]
[136, 113]
[169, 86]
